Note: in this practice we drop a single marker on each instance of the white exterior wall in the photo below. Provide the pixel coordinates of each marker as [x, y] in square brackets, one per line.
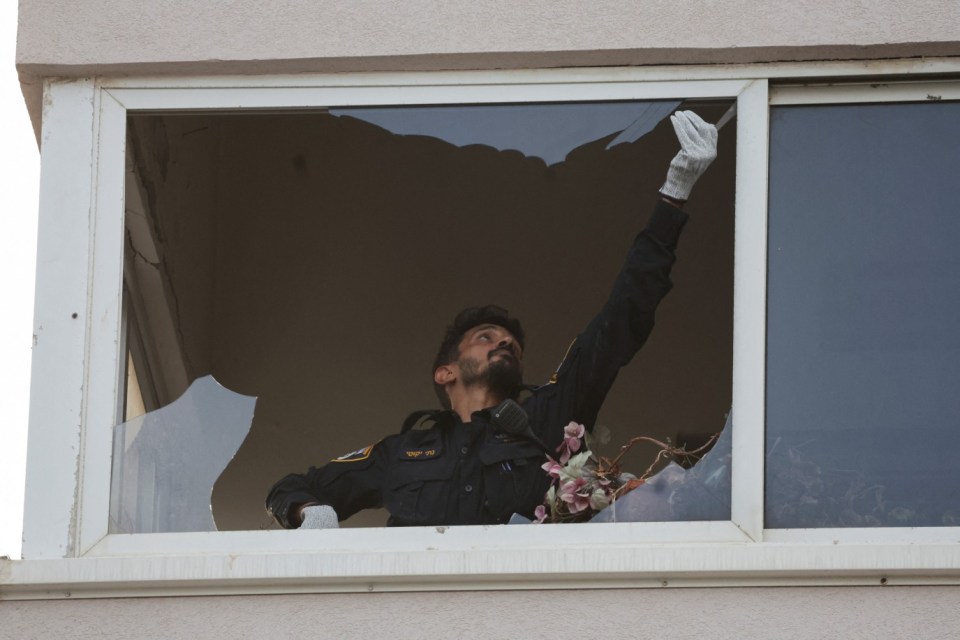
[58, 38]
[663, 614]
[177, 37]
[176, 33]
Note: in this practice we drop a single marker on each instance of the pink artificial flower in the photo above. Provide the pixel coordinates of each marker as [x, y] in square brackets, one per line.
[572, 492]
[552, 467]
[579, 504]
[571, 441]
[569, 489]
[540, 513]
[571, 436]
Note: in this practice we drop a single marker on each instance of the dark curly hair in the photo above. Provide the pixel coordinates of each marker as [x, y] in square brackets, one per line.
[467, 319]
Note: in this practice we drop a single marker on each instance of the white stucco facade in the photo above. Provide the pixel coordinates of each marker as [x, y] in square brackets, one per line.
[785, 613]
[110, 35]
[115, 39]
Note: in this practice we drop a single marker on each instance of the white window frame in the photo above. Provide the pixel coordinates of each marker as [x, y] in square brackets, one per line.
[77, 365]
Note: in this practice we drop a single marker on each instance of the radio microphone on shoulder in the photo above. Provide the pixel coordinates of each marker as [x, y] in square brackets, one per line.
[510, 418]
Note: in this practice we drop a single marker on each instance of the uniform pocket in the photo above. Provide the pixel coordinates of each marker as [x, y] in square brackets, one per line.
[514, 479]
[419, 489]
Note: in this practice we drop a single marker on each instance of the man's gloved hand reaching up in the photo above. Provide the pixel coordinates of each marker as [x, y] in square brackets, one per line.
[698, 148]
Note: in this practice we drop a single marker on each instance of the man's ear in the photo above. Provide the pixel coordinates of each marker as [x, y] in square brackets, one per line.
[445, 374]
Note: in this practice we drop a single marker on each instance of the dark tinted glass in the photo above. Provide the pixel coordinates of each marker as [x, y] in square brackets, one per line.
[863, 354]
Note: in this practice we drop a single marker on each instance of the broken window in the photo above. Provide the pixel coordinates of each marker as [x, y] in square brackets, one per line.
[313, 259]
[863, 360]
[166, 462]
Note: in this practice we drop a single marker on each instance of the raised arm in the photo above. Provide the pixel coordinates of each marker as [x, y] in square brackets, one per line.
[622, 326]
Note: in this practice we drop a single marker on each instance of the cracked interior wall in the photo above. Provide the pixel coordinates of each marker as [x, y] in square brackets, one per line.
[170, 256]
[314, 261]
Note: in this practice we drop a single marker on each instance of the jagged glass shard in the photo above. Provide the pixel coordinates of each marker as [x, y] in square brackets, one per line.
[647, 119]
[166, 462]
[676, 494]
[547, 131]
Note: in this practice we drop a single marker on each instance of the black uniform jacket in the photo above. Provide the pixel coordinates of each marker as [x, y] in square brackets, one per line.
[468, 473]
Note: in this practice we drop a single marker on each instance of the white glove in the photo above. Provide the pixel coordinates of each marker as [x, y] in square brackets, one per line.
[698, 148]
[320, 516]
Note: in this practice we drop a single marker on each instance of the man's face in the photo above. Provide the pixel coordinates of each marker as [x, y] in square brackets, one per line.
[490, 355]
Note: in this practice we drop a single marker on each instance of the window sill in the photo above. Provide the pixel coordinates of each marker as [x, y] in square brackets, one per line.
[476, 558]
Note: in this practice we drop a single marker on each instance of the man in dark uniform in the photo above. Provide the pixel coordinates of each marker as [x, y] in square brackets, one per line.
[462, 469]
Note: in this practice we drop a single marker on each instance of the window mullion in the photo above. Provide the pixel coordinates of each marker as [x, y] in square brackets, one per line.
[749, 295]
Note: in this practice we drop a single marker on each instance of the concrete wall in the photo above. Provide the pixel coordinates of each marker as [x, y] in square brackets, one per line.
[117, 36]
[175, 35]
[783, 613]
[59, 38]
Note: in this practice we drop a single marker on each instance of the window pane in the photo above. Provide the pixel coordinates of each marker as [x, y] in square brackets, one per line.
[313, 260]
[863, 353]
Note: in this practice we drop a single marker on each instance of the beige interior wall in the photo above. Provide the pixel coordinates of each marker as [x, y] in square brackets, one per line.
[870, 613]
[342, 251]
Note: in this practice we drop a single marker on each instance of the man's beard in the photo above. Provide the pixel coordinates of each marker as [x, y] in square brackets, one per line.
[502, 377]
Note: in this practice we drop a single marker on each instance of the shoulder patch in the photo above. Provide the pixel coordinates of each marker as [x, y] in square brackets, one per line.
[355, 456]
